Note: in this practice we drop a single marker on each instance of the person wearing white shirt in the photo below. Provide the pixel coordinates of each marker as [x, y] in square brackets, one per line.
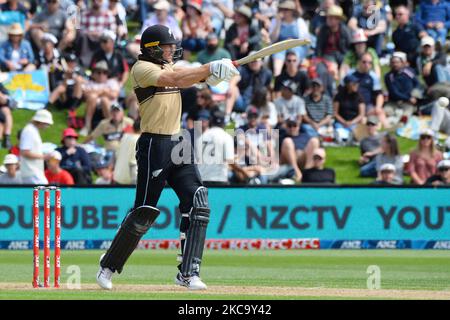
[12, 175]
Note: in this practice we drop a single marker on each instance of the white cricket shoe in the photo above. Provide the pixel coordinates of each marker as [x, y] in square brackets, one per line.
[104, 276]
[192, 283]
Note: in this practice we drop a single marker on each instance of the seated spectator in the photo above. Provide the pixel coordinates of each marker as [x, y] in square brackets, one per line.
[20, 8]
[386, 176]
[53, 19]
[434, 16]
[266, 109]
[363, 17]
[6, 120]
[333, 40]
[93, 22]
[370, 88]
[348, 105]
[16, 53]
[442, 176]
[99, 92]
[400, 82]
[54, 174]
[212, 51]
[407, 35]
[31, 150]
[319, 110]
[242, 36]
[357, 49]
[215, 150]
[111, 129]
[431, 65]
[204, 102]
[252, 76]
[297, 148]
[292, 72]
[117, 65]
[424, 159]
[12, 174]
[49, 59]
[125, 169]
[69, 90]
[318, 173]
[195, 27]
[74, 159]
[218, 10]
[288, 25]
[440, 116]
[289, 105]
[370, 146]
[390, 154]
[319, 18]
[118, 11]
[104, 171]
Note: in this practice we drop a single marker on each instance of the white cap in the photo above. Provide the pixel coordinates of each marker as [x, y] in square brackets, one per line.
[162, 5]
[400, 55]
[427, 41]
[444, 164]
[56, 155]
[11, 159]
[43, 116]
[49, 37]
[443, 102]
[387, 167]
[427, 132]
[108, 34]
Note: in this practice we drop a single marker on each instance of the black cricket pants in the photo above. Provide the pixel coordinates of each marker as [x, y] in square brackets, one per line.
[155, 168]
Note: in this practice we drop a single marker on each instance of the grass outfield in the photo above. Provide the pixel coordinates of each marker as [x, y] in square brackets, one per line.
[326, 274]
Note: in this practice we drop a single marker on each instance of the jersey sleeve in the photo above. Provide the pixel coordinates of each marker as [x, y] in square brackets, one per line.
[146, 74]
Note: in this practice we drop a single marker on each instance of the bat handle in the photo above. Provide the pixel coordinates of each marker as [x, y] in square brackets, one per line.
[235, 63]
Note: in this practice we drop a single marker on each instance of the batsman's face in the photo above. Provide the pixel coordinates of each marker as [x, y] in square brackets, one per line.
[168, 51]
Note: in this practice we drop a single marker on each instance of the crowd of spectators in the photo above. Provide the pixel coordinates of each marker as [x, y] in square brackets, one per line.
[370, 66]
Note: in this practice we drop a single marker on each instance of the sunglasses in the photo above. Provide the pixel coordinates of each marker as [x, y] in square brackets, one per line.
[101, 72]
[366, 62]
[371, 124]
[443, 169]
[317, 158]
[52, 1]
[425, 137]
[292, 125]
[291, 60]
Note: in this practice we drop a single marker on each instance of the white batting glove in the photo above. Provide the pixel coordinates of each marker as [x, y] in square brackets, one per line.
[223, 69]
[213, 81]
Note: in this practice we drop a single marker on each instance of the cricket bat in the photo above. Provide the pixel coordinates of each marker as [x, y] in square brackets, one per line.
[273, 48]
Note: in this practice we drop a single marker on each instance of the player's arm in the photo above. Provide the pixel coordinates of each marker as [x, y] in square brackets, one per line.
[183, 77]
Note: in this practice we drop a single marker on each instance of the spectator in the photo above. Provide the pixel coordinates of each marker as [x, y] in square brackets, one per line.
[289, 105]
[440, 116]
[442, 176]
[266, 108]
[400, 82]
[333, 40]
[214, 147]
[370, 88]
[49, 59]
[252, 76]
[434, 16]
[212, 51]
[111, 129]
[118, 11]
[93, 22]
[20, 8]
[431, 64]
[319, 19]
[163, 16]
[370, 146]
[99, 92]
[349, 108]
[74, 159]
[204, 102]
[195, 27]
[12, 174]
[53, 19]
[218, 10]
[390, 154]
[407, 35]
[31, 149]
[117, 65]
[297, 148]
[357, 49]
[288, 25]
[54, 174]
[292, 72]
[372, 19]
[424, 159]
[125, 169]
[319, 111]
[242, 37]
[104, 171]
[386, 176]
[6, 120]
[16, 53]
[318, 173]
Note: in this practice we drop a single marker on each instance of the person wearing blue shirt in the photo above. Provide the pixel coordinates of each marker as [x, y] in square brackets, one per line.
[16, 53]
[434, 16]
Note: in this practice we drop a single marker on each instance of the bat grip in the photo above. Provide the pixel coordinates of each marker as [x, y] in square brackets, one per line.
[235, 63]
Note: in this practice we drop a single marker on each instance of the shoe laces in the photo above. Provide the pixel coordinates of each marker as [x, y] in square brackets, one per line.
[106, 273]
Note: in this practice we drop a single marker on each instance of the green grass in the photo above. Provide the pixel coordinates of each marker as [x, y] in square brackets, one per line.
[400, 270]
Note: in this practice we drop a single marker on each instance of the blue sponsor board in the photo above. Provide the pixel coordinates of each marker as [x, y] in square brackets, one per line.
[324, 213]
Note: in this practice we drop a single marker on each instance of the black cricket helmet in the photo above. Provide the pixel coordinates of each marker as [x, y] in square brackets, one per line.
[151, 40]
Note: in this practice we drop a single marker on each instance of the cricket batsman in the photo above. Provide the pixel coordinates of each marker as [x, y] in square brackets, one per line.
[156, 82]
